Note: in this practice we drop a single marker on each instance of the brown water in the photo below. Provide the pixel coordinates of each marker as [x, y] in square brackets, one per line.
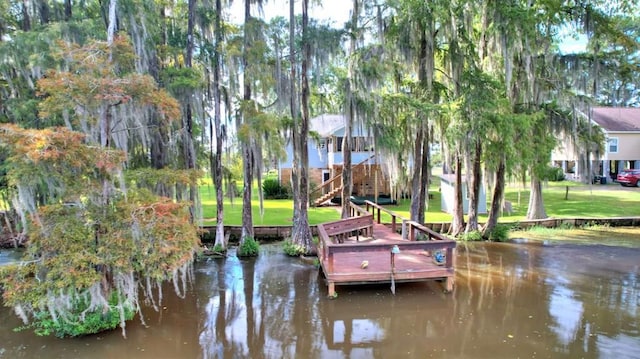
[510, 301]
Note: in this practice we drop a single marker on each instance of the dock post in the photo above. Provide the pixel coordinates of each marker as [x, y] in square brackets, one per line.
[449, 284]
[332, 290]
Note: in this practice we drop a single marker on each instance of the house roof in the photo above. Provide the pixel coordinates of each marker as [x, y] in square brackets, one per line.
[326, 125]
[617, 119]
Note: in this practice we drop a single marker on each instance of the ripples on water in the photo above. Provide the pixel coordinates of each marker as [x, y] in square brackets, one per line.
[511, 300]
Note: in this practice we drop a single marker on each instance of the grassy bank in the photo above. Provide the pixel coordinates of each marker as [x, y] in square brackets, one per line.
[597, 201]
[596, 235]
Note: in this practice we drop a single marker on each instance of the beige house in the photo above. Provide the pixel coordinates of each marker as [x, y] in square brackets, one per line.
[621, 126]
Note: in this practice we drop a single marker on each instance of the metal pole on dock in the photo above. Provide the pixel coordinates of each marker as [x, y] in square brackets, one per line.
[394, 250]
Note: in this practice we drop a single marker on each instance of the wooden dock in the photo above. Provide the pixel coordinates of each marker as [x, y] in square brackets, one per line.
[359, 250]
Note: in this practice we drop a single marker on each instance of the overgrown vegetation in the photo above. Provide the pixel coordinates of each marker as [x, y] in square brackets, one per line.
[500, 233]
[95, 225]
[249, 248]
[292, 249]
[472, 236]
[82, 319]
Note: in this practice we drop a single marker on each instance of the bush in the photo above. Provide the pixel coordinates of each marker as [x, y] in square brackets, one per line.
[273, 190]
[554, 174]
[249, 248]
[473, 236]
[80, 323]
[292, 249]
[500, 233]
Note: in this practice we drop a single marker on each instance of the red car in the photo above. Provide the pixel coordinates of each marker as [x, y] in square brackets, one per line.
[629, 178]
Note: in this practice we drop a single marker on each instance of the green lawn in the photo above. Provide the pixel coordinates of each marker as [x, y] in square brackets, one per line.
[276, 212]
[598, 201]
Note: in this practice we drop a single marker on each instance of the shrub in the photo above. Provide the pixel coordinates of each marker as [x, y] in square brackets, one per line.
[218, 248]
[500, 233]
[249, 248]
[292, 249]
[79, 322]
[472, 236]
[554, 174]
[273, 190]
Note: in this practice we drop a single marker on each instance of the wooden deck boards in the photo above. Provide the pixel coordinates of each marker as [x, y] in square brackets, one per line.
[410, 265]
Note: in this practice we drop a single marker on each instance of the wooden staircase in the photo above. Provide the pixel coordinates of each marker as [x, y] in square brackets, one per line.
[327, 196]
[334, 181]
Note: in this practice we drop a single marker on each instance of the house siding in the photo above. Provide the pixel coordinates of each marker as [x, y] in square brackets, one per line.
[317, 156]
[623, 124]
[315, 176]
[628, 146]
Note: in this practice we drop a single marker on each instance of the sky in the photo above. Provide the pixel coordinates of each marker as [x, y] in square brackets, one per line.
[339, 11]
[336, 11]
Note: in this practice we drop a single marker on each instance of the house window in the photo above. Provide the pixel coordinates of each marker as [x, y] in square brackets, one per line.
[338, 144]
[613, 145]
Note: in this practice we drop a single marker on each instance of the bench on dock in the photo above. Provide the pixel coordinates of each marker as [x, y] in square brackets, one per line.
[343, 229]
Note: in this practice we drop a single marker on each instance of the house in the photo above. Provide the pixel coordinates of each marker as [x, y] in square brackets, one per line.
[326, 160]
[621, 126]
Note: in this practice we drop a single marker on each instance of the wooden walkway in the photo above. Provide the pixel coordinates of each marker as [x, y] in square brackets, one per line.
[359, 250]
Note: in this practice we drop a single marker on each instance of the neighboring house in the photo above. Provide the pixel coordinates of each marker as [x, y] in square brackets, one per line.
[447, 199]
[621, 126]
[326, 160]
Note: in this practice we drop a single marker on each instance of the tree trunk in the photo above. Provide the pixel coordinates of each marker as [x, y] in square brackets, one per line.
[111, 27]
[496, 199]
[424, 175]
[536, 203]
[189, 149]
[26, 20]
[67, 10]
[347, 178]
[420, 180]
[302, 232]
[43, 8]
[474, 189]
[220, 241]
[416, 180]
[457, 222]
[245, 145]
[293, 104]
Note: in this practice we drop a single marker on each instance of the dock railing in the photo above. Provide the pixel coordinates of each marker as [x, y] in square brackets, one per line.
[411, 230]
[360, 222]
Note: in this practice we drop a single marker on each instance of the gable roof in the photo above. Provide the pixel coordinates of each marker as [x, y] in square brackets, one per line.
[617, 119]
[326, 125]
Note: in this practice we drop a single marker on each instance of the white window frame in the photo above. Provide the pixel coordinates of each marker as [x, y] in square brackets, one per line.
[610, 144]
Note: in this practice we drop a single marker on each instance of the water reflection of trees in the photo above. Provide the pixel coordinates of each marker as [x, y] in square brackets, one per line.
[509, 301]
[221, 296]
[291, 297]
[261, 308]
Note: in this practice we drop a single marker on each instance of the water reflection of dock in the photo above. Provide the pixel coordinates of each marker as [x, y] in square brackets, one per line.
[359, 250]
[370, 322]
